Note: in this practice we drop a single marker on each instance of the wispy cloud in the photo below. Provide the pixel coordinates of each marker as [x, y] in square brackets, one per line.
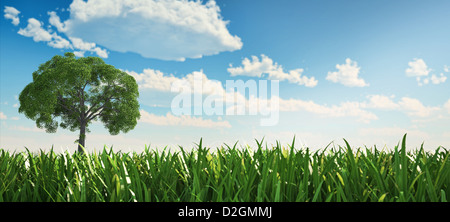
[35, 30]
[344, 109]
[183, 120]
[415, 108]
[412, 107]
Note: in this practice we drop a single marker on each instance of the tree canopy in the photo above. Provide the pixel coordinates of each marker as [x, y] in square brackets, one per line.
[72, 92]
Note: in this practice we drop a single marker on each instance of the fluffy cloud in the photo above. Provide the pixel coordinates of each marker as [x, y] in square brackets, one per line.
[3, 116]
[13, 14]
[165, 29]
[56, 21]
[83, 46]
[171, 120]
[256, 68]
[361, 111]
[153, 79]
[419, 69]
[347, 74]
[157, 80]
[437, 80]
[35, 30]
[59, 42]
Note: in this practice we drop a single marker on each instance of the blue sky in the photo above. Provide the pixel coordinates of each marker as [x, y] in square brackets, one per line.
[367, 71]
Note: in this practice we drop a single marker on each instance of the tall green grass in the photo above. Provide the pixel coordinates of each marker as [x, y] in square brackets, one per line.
[227, 173]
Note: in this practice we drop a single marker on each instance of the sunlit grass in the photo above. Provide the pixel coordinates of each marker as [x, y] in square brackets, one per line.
[228, 173]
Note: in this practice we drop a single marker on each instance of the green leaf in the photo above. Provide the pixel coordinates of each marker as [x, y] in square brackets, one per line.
[381, 199]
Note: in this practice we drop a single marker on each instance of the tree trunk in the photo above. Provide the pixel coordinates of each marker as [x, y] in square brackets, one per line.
[83, 122]
[82, 138]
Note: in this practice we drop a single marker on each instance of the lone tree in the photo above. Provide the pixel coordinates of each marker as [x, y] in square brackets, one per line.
[78, 91]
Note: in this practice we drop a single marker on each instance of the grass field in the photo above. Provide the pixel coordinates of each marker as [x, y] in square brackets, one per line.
[262, 173]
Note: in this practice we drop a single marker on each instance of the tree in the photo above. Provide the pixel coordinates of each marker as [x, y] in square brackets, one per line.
[79, 91]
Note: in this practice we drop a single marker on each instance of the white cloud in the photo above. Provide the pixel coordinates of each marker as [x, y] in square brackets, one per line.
[13, 14]
[59, 42]
[381, 102]
[361, 111]
[101, 52]
[437, 80]
[172, 120]
[56, 21]
[412, 107]
[417, 68]
[415, 108]
[81, 45]
[347, 74]
[87, 46]
[34, 29]
[198, 83]
[446, 68]
[157, 80]
[153, 79]
[3, 116]
[165, 29]
[345, 109]
[447, 106]
[256, 68]
[79, 53]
